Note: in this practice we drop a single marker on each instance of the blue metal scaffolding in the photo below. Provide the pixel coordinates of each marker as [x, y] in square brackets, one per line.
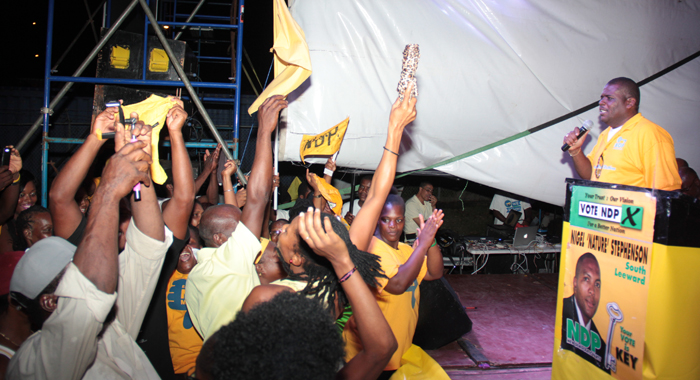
[151, 26]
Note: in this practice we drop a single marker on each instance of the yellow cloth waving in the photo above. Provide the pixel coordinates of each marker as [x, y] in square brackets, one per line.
[292, 60]
[153, 110]
[330, 193]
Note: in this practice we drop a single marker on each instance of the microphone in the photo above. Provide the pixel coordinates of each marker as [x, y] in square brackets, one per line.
[581, 131]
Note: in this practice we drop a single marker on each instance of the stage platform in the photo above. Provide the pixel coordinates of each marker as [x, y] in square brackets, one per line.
[513, 327]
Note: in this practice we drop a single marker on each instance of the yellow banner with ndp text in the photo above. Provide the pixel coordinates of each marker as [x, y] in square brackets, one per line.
[604, 285]
[324, 144]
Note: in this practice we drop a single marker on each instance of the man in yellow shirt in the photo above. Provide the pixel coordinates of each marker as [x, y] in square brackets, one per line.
[632, 150]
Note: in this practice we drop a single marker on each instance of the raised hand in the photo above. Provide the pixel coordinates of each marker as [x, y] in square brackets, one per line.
[403, 112]
[427, 229]
[325, 243]
[105, 121]
[176, 116]
[330, 164]
[211, 160]
[15, 160]
[229, 168]
[126, 168]
[311, 178]
[573, 142]
[141, 131]
[269, 112]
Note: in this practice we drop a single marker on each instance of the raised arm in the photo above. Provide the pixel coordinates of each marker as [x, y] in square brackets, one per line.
[9, 189]
[146, 212]
[261, 174]
[317, 198]
[409, 271]
[378, 340]
[268, 209]
[329, 169]
[65, 211]
[581, 163]
[362, 229]
[211, 161]
[229, 195]
[176, 213]
[97, 255]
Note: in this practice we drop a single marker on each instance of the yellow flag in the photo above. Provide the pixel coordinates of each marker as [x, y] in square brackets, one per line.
[153, 110]
[292, 60]
[324, 144]
[293, 189]
[330, 194]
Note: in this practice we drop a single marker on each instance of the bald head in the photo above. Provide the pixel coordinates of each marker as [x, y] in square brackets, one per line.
[681, 163]
[218, 223]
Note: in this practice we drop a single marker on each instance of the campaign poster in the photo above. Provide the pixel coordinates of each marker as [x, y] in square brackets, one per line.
[606, 278]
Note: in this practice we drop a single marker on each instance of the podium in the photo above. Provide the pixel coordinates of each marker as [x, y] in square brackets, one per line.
[628, 286]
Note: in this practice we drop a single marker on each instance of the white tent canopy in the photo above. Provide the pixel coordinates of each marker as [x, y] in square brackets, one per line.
[490, 71]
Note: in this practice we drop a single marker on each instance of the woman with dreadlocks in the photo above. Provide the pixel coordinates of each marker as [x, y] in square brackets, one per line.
[295, 254]
[312, 274]
[293, 337]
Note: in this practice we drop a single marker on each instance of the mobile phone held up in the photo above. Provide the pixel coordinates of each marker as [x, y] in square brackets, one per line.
[6, 153]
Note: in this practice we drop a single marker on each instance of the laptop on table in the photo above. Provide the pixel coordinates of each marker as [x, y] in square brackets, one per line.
[524, 236]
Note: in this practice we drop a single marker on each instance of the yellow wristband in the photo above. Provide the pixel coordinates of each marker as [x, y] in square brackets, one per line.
[98, 132]
[18, 177]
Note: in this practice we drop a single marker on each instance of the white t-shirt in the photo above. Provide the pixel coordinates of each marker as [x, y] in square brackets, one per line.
[505, 204]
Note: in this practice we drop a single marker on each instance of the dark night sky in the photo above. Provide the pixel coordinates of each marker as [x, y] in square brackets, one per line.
[25, 42]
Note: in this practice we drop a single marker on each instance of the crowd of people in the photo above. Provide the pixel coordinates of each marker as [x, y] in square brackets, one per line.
[103, 285]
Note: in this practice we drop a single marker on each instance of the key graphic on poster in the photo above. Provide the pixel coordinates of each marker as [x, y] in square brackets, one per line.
[615, 316]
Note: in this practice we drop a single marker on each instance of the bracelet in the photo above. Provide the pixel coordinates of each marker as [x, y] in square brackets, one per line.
[391, 151]
[17, 180]
[228, 190]
[572, 155]
[328, 172]
[318, 196]
[347, 275]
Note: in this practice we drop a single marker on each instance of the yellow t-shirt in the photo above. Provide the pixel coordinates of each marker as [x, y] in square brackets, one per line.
[185, 343]
[400, 311]
[640, 154]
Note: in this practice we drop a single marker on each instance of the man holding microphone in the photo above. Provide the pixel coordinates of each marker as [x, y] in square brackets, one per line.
[632, 150]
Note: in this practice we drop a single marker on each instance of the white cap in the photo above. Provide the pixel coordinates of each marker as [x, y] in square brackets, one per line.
[42, 262]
